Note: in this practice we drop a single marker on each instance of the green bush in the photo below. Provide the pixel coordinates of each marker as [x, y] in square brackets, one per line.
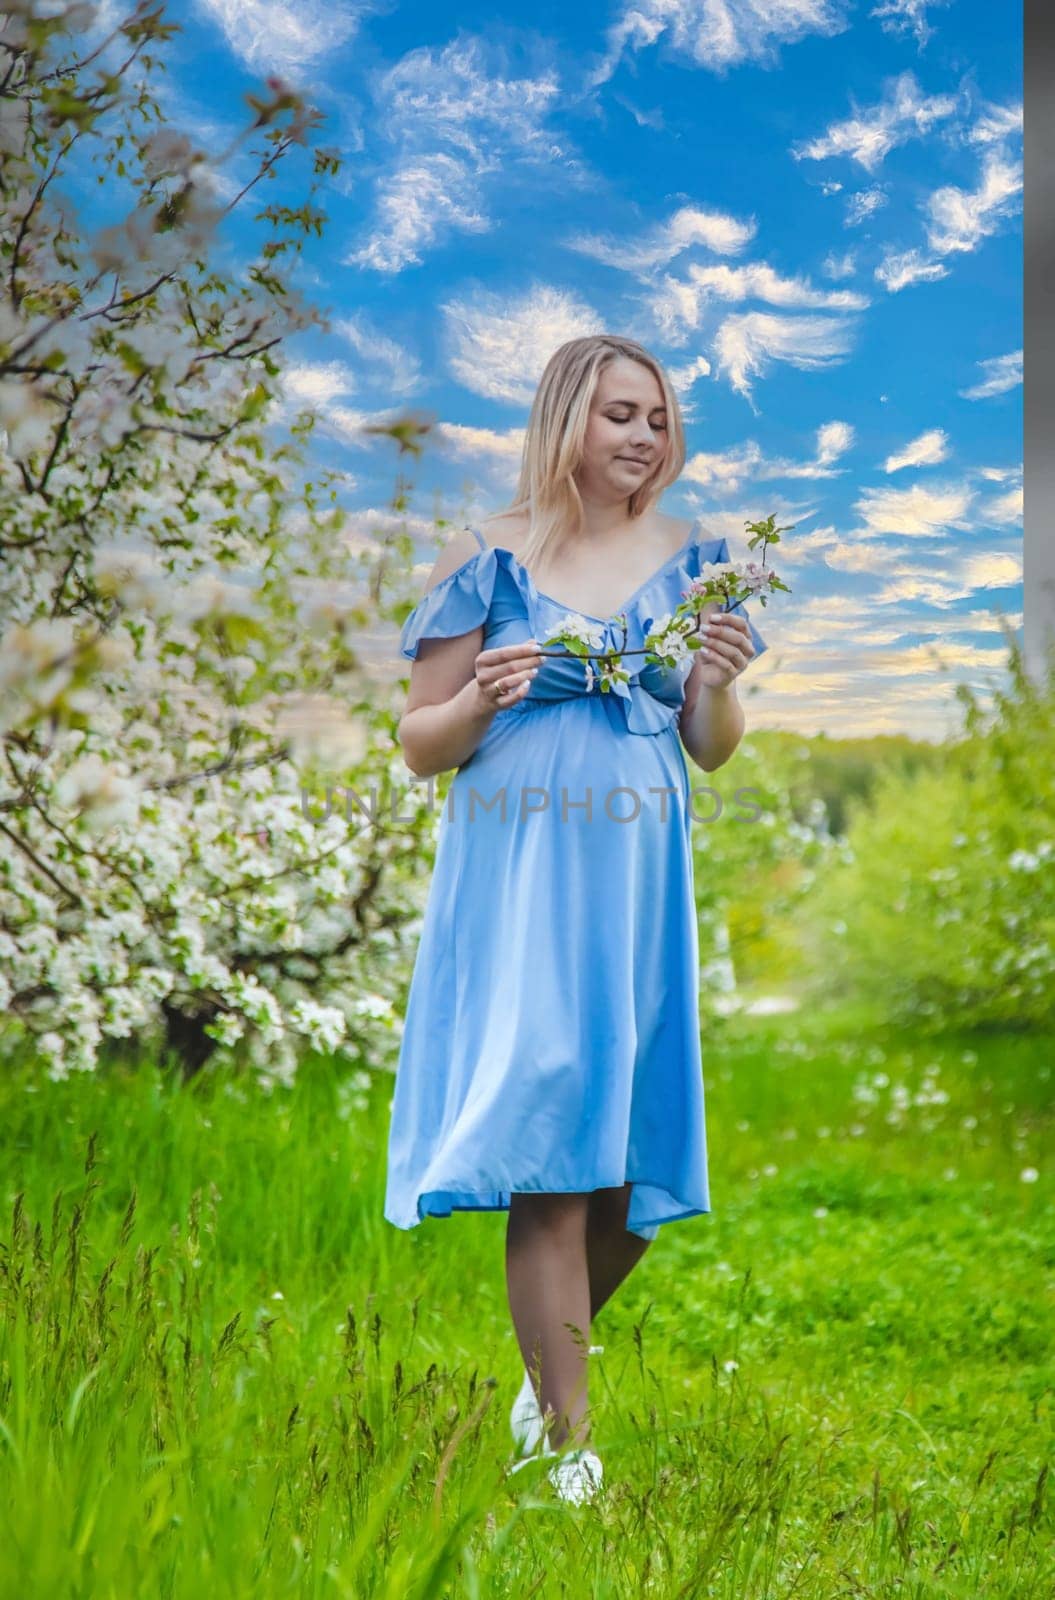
[943, 903]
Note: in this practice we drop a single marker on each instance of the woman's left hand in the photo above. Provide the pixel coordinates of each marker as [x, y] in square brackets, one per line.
[726, 651]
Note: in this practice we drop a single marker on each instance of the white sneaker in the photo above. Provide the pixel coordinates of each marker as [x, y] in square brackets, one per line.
[577, 1476]
[535, 1455]
[525, 1418]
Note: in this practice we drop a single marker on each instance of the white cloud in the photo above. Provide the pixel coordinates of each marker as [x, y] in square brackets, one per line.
[726, 471]
[746, 345]
[316, 383]
[833, 440]
[677, 305]
[717, 34]
[644, 119]
[957, 220]
[270, 36]
[499, 346]
[992, 569]
[691, 225]
[727, 522]
[481, 443]
[960, 218]
[684, 378]
[865, 203]
[399, 369]
[897, 271]
[997, 123]
[926, 450]
[1001, 373]
[452, 123]
[867, 137]
[417, 202]
[1004, 508]
[915, 512]
[836, 267]
[907, 16]
[451, 94]
[319, 385]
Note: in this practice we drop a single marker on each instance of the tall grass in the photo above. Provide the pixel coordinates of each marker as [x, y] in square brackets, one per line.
[223, 1373]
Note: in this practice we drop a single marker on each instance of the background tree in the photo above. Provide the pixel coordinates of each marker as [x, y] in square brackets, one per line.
[177, 615]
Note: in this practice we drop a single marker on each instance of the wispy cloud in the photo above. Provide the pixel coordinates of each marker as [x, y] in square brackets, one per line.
[1001, 373]
[917, 512]
[958, 219]
[678, 305]
[926, 450]
[691, 225]
[898, 270]
[397, 368]
[836, 267]
[864, 204]
[488, 444]
[272, 36]
[644, 119]
[907, 17]
[321, 385]
[684, 378]
[498, 346]
[1004, 508]
[717, 34]
[996, 124]
[726, 471]
[867, 137]
[452, 123]
[747, 345]
[317, 382]
[424, 198]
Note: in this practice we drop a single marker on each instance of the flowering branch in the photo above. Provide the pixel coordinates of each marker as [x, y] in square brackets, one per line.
[724, 585]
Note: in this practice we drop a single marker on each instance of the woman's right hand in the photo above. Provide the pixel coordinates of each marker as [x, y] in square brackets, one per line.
[504, 675]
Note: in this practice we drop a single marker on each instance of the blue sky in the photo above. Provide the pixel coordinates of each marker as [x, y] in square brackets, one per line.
[809, 210]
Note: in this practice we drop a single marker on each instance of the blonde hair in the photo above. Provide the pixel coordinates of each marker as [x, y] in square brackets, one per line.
[556, 430]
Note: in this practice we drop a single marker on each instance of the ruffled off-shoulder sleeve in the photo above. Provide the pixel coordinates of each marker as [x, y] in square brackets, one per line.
[457, 604]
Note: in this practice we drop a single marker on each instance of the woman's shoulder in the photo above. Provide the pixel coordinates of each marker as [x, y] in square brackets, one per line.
[506, 529]
[460, 548]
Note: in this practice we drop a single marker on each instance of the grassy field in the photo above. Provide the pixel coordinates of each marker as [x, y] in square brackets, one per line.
[222, 1373]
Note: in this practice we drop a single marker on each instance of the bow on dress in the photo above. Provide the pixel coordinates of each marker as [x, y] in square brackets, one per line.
[634, 707]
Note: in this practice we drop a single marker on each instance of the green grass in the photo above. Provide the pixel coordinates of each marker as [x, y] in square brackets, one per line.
[222, 1373]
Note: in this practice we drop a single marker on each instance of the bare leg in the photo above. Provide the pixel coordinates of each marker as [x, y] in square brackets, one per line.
[549, 1297]
[611, 1251]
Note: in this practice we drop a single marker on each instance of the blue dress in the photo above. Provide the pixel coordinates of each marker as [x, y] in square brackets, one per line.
[552, 1040]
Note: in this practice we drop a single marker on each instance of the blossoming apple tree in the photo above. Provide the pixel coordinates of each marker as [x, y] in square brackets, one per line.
[177, 653]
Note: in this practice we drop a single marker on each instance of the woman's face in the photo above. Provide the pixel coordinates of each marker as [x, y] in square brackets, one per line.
[626, 434]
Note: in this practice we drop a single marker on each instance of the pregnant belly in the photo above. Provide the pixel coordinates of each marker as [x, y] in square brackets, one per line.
[562, 759]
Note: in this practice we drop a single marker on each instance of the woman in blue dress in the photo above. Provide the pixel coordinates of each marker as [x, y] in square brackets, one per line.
[550, 1063]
